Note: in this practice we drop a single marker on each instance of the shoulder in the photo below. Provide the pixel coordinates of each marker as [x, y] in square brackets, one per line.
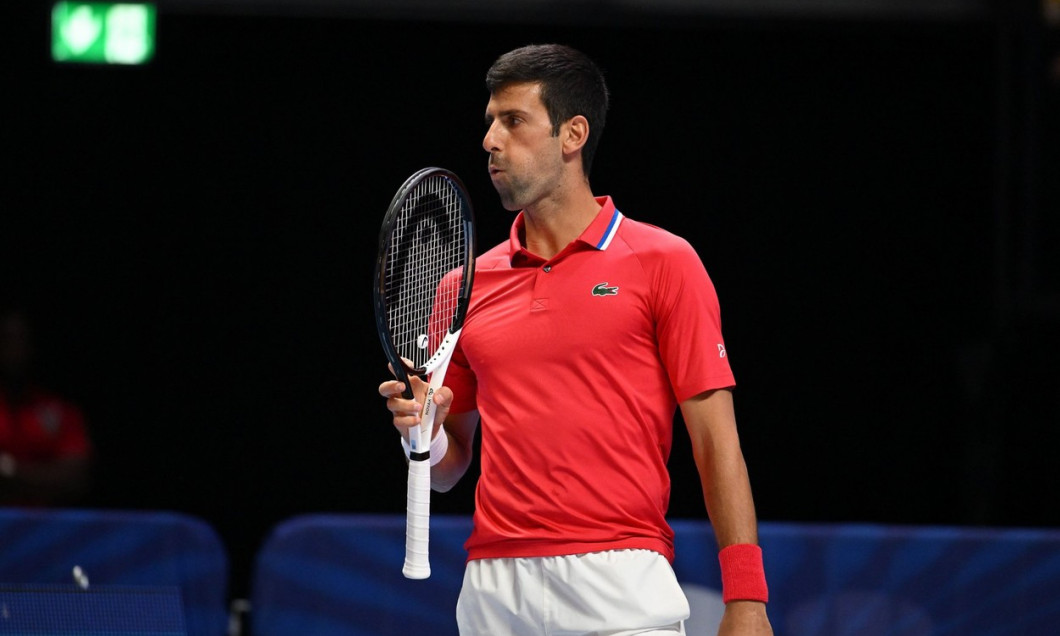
[654, 245]
[497, 257]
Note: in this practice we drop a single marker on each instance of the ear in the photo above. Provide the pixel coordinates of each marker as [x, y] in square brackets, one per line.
[575, 133]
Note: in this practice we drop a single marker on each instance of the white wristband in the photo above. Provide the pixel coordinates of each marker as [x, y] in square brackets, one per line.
[439, 446]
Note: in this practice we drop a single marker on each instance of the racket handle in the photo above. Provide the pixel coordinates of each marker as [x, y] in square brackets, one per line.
[417, 524]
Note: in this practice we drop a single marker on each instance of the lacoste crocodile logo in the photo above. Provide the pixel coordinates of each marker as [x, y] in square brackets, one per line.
[602, 289]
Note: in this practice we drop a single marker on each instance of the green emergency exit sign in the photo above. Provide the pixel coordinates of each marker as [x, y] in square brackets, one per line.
[103, 33]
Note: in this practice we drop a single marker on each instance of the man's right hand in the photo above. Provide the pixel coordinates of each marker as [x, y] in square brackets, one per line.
[406, 412]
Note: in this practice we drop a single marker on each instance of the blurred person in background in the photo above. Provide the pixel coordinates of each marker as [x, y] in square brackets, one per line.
[45, 452]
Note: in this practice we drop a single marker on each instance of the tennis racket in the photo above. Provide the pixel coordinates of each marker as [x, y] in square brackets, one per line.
[423, 277]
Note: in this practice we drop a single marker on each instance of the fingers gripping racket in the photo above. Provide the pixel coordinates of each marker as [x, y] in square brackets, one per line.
[424, 272]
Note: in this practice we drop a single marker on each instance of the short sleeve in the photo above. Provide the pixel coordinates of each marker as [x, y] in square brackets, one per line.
[461, 380]
[688, 323]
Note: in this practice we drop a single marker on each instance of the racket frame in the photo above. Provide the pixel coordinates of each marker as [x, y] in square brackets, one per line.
[417, 564]
[401, 368]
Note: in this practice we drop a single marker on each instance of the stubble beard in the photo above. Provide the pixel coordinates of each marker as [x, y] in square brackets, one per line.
[518, 192]
[513, 194]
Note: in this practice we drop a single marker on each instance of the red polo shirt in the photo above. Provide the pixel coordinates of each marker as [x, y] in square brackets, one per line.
[576, 366]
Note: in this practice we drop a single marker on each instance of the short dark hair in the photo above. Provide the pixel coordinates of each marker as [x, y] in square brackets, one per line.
[571, 84]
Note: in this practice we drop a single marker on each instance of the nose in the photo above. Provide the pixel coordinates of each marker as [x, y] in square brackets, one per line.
[490, 142]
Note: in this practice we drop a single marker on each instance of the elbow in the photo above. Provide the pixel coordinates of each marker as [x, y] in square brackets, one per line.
[445, 483]
[447, 474]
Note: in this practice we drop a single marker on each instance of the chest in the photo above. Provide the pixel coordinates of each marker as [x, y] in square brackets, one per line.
[592, 309]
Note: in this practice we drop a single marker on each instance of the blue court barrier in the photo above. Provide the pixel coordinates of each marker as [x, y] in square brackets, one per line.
[341, 574]
[64, 610]
[322, 575]
[144, 573]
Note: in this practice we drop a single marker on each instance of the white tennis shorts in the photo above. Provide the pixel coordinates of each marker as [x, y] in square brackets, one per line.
[614, 593]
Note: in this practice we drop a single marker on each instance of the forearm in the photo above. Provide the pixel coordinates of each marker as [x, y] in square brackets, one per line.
[451, 457]
[711, 424]
[447, 472]
[727, 493]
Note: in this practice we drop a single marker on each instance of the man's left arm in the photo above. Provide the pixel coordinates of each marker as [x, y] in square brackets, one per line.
[711, 421]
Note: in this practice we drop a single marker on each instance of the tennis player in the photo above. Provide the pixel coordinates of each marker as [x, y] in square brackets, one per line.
[586, 330]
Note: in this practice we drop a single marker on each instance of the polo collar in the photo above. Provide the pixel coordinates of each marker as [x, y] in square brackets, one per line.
[604, 227]
[598, 235]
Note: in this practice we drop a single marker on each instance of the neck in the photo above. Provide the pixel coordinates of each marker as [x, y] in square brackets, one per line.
[552, 224]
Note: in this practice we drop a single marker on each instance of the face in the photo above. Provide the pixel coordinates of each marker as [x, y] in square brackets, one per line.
[526, 160]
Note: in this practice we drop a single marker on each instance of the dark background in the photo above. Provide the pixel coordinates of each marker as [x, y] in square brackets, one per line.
[874, 197]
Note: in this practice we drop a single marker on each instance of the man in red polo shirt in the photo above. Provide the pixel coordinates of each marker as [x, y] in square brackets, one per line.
[586, 331]
[44, 447]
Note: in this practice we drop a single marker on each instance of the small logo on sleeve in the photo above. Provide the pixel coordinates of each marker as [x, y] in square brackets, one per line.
[721, 350]
[602, 289]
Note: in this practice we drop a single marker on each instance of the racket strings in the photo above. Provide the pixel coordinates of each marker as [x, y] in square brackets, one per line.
[423, 275]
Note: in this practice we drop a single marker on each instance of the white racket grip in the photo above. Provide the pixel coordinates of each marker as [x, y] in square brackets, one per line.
[417, 523]
[418, 513]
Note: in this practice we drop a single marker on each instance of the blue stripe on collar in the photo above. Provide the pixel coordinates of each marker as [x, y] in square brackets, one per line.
[609, 233]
